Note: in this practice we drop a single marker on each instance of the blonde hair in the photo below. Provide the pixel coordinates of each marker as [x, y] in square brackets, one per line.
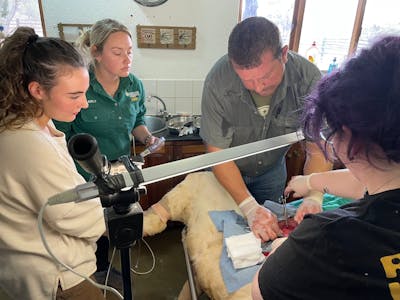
[97, 35]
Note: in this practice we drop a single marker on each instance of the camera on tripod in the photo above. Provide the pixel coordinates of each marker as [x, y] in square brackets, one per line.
[123, 213]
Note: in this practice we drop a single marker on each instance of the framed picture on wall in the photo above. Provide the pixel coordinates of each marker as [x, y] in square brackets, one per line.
[71, 32]
[166, 37]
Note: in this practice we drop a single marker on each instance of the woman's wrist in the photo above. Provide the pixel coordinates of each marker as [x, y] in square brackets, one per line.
[308, 181]
[310, 186]
[315, 196]
[147, 139]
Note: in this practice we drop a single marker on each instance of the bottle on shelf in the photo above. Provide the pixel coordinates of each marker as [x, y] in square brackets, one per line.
[333, 65]
[2, 34]
[312, 53]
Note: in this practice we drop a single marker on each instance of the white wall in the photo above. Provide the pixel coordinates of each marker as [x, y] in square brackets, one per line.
[174, 75]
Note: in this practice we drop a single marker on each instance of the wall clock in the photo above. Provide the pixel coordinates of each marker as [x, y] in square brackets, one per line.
[151, 2]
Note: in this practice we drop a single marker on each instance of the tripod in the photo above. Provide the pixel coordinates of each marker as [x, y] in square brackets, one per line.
[125, 225]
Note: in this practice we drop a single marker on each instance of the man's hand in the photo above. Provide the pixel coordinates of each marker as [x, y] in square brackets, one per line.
[312, 204]
[261, 220]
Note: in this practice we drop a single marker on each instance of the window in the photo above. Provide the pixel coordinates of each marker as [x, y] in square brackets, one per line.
[15, 13]
[330, 31]
[278, 11]
[379, 18]
[338, 27]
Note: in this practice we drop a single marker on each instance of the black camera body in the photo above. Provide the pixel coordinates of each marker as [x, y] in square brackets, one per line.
[123, 213]
[123, 232]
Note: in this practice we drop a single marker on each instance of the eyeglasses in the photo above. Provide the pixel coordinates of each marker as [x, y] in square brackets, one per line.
[326, 135]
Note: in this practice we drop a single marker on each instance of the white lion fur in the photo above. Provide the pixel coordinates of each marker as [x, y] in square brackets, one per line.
[189, 202]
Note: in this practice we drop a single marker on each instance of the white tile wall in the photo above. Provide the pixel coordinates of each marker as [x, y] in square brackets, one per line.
[197, 88]
[166, 88]
[183, 106]
[196, 106]
[150, 86]
[169, 103]
[151, 107]
[183, 88]
[180, 96]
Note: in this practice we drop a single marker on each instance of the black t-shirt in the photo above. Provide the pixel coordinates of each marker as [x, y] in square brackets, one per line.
[352, 252]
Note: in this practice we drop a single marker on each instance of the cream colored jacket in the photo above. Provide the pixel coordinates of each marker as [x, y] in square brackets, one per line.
[34, 166]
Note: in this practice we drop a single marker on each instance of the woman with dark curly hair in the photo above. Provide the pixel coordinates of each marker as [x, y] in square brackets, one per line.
[43, 79]
[352, 252]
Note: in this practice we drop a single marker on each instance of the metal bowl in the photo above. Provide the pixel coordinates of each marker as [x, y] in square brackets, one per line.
[176, 124]
[196, 122]
[155, 124]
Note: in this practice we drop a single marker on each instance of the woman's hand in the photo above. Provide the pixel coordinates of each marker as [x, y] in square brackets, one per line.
[312, 199]
[312, 204]
[299, 186]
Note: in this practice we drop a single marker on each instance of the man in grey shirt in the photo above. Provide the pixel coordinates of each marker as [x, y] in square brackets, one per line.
[253, 93]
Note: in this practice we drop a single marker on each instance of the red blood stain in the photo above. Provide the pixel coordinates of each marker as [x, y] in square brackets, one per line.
[287, 229]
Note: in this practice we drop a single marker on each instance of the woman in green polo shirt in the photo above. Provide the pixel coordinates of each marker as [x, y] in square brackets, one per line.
[115, 96]
[116, 105]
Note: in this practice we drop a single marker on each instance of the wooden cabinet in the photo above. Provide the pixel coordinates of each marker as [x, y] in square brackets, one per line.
[171, 151]
[295, 159]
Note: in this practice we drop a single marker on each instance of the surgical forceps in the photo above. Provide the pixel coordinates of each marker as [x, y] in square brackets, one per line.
[283, 201]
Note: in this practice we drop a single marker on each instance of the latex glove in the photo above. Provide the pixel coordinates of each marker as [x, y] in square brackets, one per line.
[262, 222]
[312, 204]
[299, 185]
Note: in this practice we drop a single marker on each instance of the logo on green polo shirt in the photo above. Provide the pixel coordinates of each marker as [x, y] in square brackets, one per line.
[133, 95]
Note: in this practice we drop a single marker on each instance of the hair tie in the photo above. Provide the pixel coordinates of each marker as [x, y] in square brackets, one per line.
[32, 39]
